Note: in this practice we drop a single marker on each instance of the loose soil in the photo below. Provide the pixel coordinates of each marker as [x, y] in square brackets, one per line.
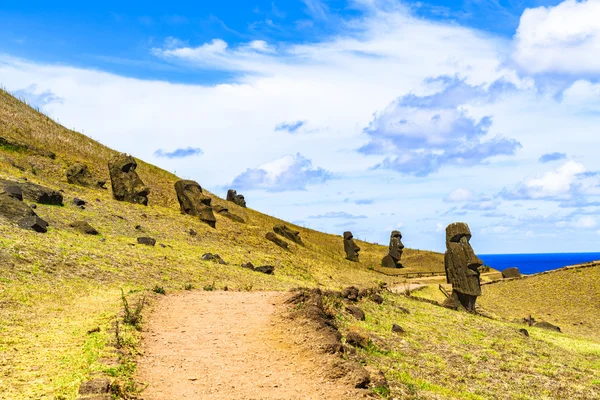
[231, 345]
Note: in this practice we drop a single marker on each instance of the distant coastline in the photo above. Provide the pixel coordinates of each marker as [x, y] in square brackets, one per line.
[535, 263]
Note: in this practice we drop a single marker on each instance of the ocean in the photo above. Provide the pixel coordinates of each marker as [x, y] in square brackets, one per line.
[533, 263]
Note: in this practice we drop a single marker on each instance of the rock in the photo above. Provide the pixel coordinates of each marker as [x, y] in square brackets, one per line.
[14, 191]
[402, 310]
[357, 339]
[13, 209]
[95, 386]
[193, 202]
[148, 241]
[224, 212]
[273, 238]
[379, 383]
[33, 192]
[287, 233]
[547, 325]
[84, 227]
[377, 298]
[350, 247]
[265, 269]
[79, 174]
[397, 328]
[356, 312]
[34, 223]
[462, 265]
[350, 293]
[524, 332]
[236, 198]
[248, 265]
[126, 184]
[392, 259]
[512, 272]
[79, 202]
[33, 205]
[214, 258]
[192, 232]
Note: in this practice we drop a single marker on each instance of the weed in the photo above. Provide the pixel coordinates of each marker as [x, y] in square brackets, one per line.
[382, 391]
[132, 317]
[210, 288]
[188, 286]
[159, 290]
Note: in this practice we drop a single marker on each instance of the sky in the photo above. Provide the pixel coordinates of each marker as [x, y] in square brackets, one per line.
[360, 115]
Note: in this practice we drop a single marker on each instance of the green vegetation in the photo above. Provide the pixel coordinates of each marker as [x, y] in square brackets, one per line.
[67, 299]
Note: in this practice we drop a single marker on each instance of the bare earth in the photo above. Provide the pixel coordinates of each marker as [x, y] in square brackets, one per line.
[229, 345]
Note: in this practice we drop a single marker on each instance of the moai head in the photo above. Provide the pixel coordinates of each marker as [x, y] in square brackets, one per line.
[396, 246]
[462, 265]
[236, 198]
[350, 247]
[126, 184]
[193, 202]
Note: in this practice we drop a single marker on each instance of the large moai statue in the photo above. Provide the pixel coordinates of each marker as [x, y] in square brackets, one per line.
[392, 260]
[193, 202]
[236, 198]
[350, 247]
[288, 233]
[126, 184]
[462, 265]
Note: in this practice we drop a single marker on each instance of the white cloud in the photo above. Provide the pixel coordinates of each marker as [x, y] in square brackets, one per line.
[586, 222]
[564, 38]
[459, 195]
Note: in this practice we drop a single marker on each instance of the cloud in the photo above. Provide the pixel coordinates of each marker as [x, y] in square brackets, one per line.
[36, 97]
[338, 215]
[562, 39]
[179, 153]
[361, 202]
[459, 195]
[421, 134]
[552, 157]
[290, 127]
[586, 222]
[284, 174]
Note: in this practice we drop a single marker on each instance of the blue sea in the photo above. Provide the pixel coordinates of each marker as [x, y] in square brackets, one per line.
[533, 263]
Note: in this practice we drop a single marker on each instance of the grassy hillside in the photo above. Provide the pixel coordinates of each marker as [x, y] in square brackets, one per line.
[57, 287]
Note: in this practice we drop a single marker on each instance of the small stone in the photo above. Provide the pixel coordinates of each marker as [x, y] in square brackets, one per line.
[248, 265]
[95, 386]
[192, 232]
[357, 339]
[34, 223]
[397, 328]
[84, 227]
[356, 312]
[79, 202]
[524, 332]
[148, 241]
[34, 206]
[350, 293]
[265, 269]
[377, 298]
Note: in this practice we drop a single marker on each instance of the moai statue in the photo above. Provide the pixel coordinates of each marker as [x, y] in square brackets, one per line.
[126, 184]
[392, 260]
[350, 247]
[462, 266]
[236, 198]
[79, 174]
[287, 233]
[193, 202]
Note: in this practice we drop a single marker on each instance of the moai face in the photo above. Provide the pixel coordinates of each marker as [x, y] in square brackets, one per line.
[241, 201]
[193, 202]
[462, 265]
[126, 184]
[350, 247]
[396, 246]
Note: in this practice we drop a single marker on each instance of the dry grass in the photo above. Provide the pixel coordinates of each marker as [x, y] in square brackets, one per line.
[54, 287]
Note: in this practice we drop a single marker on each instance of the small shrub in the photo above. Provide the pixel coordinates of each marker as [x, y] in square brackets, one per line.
[159, 290]
[131, 317]
[188, 286]
[382, 391]
[210, 288]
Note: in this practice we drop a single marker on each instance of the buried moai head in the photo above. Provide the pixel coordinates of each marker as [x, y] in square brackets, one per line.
[126, 184]
[193, 202]
[462, 265]
[236, 198]
[392, 259]
[350, 247]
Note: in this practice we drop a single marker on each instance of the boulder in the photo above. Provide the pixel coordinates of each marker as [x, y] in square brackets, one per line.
[357, 339]
[265, 269]
[193, 201]
[79, 202]
[14, 191]
[236, 198]
[126, 184]
[148, 241]
[34, 223]
[33, 192]
[547, 325]
[287, 233]
[83, 227]
[512, 272]
[356, 312]
[13, 209]
[273, 238]
[79, 174]
[214, 258]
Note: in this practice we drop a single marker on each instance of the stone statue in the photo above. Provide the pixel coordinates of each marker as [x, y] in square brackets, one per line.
[193, 202]
[289, 234]
[236, 198]
[392, 260]
[462, 265]
[224, 211]
[350, 247]
[126, 184]
[79, 174]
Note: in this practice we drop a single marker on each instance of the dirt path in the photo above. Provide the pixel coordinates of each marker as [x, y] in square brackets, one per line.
[228, 345]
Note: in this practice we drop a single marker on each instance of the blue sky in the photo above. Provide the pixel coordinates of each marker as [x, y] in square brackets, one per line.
[362, 115]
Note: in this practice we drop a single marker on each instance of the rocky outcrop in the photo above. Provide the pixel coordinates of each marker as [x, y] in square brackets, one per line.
[512, 272]
[79, 174]
[126, 184]
[289, 234]
[193, 202]
[273, 238]
[236, 198]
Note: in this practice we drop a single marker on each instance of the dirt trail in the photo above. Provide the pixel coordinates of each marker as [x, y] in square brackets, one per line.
[228, 345]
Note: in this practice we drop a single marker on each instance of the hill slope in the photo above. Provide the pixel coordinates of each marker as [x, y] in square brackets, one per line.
[57, 287]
